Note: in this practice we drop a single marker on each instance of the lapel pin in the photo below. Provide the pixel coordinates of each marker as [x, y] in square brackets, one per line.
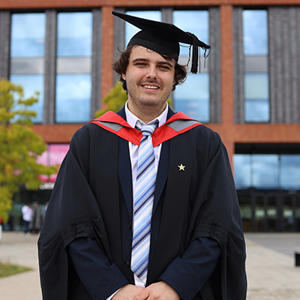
[181, 167]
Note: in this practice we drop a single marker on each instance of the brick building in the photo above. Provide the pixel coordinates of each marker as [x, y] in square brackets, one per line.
[248, 91]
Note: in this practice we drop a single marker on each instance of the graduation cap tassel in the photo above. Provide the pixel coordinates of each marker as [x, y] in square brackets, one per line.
[195, 59]
[206, 54]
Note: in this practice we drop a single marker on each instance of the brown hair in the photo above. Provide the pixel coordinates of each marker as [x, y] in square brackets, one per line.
[120, 67]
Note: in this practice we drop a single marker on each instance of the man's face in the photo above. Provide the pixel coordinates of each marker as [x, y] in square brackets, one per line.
[149, 79]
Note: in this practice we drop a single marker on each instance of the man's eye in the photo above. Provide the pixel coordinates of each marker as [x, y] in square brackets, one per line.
[165, 68]
[140, 64]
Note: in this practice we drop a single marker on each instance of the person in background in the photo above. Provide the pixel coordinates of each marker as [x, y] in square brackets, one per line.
[27, 216]
[36, 220]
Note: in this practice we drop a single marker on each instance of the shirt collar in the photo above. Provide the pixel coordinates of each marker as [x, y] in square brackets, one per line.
[132, 119]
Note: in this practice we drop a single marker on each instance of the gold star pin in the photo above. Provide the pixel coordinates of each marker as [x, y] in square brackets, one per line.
[181, 167]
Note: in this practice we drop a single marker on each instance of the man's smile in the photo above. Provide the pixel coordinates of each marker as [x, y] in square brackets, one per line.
[150, 86]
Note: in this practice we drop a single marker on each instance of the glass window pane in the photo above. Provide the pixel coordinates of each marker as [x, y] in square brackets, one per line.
[131, 30]
[242, 171]
[255, 31]
[290, 171]
[192, 97]
[32, 84]
[73, 93]
[74, 34]
[256, 86]
[265, 171]
[28, 35]
[257, 107]
[257, 110]
[195, 21]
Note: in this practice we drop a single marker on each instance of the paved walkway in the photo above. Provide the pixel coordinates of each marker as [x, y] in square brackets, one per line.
[270, 267]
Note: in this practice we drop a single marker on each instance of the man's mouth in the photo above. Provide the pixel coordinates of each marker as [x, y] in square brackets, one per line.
[150, 86]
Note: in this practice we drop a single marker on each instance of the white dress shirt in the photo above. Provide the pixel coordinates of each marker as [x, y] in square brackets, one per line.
[134, 151]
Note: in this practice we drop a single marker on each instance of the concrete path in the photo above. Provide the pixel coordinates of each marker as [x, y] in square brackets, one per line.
[272, 274]
[20, 249]
[270, 267]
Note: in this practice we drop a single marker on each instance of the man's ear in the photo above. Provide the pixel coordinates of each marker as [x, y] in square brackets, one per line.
[124, 76]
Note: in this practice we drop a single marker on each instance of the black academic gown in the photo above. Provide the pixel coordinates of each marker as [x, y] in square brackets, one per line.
[92, 200]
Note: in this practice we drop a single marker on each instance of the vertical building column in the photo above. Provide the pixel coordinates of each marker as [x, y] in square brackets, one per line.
[227, 102]
[167, 15]
[107, 53]
[214, 65]
[227, 64]
[96, 62]
[239, 65]
[5, 22]
[284, 42]
[50, 68]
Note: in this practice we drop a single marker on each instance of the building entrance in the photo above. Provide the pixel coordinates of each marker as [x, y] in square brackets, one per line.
[270, 211]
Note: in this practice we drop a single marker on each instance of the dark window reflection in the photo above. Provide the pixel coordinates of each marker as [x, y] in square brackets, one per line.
[74, 34]
[267, 171]
[290, 171]
[242, 170]
[73, 94]
[28, 35]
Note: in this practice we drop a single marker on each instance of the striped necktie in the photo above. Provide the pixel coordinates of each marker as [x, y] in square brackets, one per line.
[143, 203]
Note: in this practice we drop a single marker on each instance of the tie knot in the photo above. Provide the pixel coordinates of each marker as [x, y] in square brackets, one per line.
[146, 129]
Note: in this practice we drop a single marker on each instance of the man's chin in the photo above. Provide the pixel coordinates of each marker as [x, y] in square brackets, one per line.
[152, 102]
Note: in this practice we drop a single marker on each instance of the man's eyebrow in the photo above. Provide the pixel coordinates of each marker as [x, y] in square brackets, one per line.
[147, 60]
[140, 59]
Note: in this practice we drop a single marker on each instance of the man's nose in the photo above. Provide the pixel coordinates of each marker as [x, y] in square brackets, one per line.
[151, 72]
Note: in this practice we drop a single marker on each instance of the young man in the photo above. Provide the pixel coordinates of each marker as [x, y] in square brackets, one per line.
[144, 206]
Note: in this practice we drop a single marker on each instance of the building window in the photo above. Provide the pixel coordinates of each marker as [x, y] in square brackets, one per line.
[73, 79]
[267, 171]
[256, 78]
[192, 97]
[27, 56]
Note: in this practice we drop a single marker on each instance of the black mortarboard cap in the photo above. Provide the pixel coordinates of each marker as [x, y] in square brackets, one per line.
[163, 38]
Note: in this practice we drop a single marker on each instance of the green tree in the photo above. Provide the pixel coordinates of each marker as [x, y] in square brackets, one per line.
[116, 99]
[19, 145]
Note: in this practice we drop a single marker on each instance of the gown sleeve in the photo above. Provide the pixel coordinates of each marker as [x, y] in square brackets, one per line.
[188, 273]
[100, 278]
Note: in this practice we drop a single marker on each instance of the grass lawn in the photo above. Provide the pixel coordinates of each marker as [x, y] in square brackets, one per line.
[7, 269]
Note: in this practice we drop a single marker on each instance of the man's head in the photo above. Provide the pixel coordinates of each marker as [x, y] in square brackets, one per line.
[148, 77]
[149, 66]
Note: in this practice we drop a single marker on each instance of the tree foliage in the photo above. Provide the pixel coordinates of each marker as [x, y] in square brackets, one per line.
[19, 145]
[116, 99]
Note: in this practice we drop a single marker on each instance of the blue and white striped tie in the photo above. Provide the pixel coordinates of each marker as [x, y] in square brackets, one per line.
[143, 203]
